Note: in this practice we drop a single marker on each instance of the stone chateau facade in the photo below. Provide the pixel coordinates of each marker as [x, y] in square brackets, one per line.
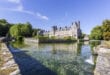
[61, 32]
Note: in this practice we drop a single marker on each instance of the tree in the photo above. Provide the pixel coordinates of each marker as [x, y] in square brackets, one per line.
[106, 35]
[101, 32]
[4, 27]
[82, 36]
[106, 29]
[28, 29]
[106, 26]
[97, 33]
[35, 32]
[21, 30]
[15, 30]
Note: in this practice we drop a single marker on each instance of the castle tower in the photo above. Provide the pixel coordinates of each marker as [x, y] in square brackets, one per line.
[76, 31]
[77, 24]
[54, 28]
[79, 33]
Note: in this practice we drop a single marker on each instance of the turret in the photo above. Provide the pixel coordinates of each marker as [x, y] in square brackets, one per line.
[54, 28]
[77, 24]
[76, 31]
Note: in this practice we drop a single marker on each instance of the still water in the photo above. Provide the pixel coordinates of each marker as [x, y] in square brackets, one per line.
[54, 59]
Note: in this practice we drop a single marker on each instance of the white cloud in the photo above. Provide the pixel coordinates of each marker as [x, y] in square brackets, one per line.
[42, 16]
[14, 1]
[20, 8]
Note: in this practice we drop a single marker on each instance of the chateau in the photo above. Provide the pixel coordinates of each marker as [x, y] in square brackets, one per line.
[61, 32]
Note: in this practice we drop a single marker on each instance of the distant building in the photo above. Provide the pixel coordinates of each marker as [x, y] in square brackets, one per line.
[61, 32]
[86, 37]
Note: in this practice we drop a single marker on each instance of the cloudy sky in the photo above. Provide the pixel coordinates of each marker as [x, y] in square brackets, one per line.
[46, 13]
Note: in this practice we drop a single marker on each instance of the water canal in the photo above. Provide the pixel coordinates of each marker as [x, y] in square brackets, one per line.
[54, 59]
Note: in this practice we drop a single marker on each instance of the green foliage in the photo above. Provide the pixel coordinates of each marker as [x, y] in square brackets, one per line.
[20, 38]
[4, 27]
[53, 37]
[34, 32]
[18, 44]
[97, 33]
[42, 38]
[21, 30]
[94, 44]
[45, 39]
[101, 32]
[81, 40]
[80, 44]
[106, 35]
[69, 38]
[106, 29]
[82, 36]
[15, 31]
[26, 29]
[106, 26]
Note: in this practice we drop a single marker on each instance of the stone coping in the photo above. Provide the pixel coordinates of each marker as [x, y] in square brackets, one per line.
[9, 66]
[103, 62]
[104, 50]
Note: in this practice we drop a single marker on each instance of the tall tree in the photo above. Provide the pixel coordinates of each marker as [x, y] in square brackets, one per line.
[21, 30]
[15, 30]
[27, 29]
[96, 33]
[106, 29]
[4, 27]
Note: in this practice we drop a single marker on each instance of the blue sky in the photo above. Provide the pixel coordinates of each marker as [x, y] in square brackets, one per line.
[46, 13]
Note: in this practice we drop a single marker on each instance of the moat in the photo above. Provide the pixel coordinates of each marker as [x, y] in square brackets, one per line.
[54, 59]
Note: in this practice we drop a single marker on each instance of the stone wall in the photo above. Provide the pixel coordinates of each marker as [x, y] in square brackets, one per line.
[103, 62]
[8, 66]
[28, 40]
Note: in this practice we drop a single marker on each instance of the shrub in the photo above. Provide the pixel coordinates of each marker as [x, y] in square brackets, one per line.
[106, 35]
[42, 38]
[69, 38]
[81, 40]
[53, 37]
[20, 38]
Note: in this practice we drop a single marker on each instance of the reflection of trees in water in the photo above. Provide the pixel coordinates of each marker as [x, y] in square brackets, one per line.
[18, 44]
[64, 59]
[94, 44]
[73, 47]
[94, 59]
[67, 65]
[79, 47]
[54, 49]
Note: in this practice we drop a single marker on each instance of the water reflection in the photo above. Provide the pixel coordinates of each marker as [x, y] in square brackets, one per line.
[18, 44]
[64, 59]
[94, 44]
